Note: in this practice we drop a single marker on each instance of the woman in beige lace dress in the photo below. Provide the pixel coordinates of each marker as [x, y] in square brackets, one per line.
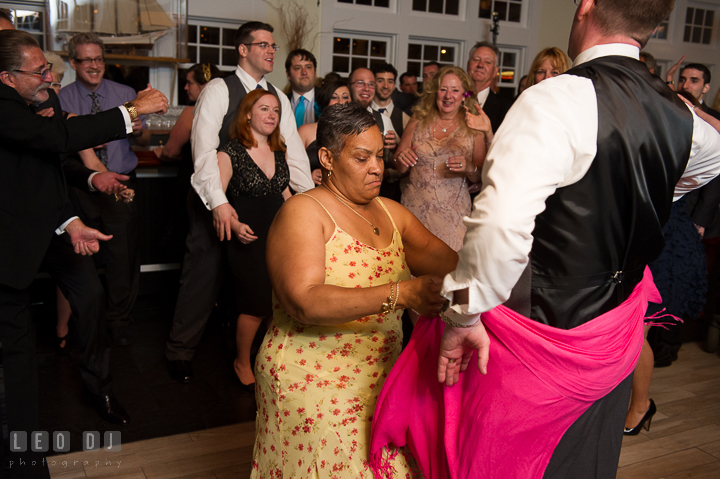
[443, 156]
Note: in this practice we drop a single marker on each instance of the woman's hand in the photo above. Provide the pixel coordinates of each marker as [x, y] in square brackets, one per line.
[407, 157]
[126, 195]
[243, 232]
[460, 164]
[317, 176]
[422, 294]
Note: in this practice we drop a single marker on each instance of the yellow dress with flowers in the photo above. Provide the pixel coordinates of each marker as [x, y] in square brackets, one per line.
[317, 385]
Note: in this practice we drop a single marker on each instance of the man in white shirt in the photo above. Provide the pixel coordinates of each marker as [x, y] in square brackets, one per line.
[483, 68]
[301, 71]
[209, 210]
[572, 189]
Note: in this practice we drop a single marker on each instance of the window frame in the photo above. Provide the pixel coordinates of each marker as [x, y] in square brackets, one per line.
[354, 35]
[523, 12]
[457, 44]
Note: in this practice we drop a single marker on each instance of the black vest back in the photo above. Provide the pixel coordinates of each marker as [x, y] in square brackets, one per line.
[236, 92]
[595, 237]
[397, 120]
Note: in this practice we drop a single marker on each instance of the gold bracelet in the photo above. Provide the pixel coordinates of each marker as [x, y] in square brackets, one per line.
[397, 295]
[387, 305]
[132, 111]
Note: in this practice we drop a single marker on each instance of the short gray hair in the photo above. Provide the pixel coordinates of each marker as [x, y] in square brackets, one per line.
[338, 122]
[486, 45]
[13, 44]
[83, 39]
[58, 64]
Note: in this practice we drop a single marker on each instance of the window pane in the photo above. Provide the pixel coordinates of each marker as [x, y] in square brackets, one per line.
[485, 8]
[696, 34]
[689, 15]
[414, 51]
[707, 35]
[341, 45]
[501, 8]
[228, 36]
[374, 62]
[452, 7]
[435, 6]
[420, 5]
[192, 53]
[229, 57]
[447, 54]
[360, 47]
[192, 34]
[413, 68]
[341, 64]
[507, 76]
[699, 16]
[359, 62]
[209, 55]
[430, 53]
[363, 2]
[709, 17]
[210, 35]
[508, 59]
[382, 3]
[378, 49]
[345, 1]
[661, 32]
[514, 13]
[686, 35]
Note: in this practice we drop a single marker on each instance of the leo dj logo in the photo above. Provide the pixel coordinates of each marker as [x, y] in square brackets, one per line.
[40, 441]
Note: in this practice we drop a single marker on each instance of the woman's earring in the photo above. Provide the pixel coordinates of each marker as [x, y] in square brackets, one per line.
[329, 174]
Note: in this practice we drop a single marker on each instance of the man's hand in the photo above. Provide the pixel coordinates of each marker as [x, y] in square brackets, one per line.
[222, 216]
[149, 101]
[670, 75]
[47, 112]
[456, 350]
[85, 240]
[391, 141]
[109, 182]
[137, 126]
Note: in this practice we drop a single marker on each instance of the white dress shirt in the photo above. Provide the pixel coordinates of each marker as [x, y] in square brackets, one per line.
[309, 116]
[388, 108]
[387, 122]
[548, 140]
[209, 111]
[482, 97]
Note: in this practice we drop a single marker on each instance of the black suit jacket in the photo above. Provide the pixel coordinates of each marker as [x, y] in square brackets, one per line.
[33, 195]
[496, 108]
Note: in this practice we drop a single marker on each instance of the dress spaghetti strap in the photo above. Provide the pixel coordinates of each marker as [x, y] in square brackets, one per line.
[323, 207]
[387, 212]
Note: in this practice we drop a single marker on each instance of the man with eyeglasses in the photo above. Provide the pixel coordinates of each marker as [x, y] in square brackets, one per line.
[90, 93]
[577, 185]
[35, 207]
[208, 209]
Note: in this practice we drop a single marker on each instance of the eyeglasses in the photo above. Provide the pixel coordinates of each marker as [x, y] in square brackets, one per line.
[363, 84]
[55, 84]
[42, 73]
[88, 61]
[263, 45]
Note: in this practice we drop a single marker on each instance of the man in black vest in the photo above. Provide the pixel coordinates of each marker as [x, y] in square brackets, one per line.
[208, 208]
[591, 165]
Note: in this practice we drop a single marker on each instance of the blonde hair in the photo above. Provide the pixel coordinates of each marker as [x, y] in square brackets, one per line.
[558, 58]
[426, 109]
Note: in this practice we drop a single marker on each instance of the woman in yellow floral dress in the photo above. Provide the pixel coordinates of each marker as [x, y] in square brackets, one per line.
[340, 261]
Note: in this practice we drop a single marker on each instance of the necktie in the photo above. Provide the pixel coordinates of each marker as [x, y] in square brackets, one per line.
[95, 108]
[300, 111]
[258, 87]
[382, 110]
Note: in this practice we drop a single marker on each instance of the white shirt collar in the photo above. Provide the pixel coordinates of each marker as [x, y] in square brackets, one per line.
[309, 96]
[482, 96]
[388, 109]
[608, 49]
[249, 82]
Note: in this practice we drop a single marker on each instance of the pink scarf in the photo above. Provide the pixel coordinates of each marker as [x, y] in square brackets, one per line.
[506, 424]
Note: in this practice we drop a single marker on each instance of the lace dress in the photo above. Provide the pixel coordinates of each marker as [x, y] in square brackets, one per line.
[317, 385]
[256, 199]
[438, 197]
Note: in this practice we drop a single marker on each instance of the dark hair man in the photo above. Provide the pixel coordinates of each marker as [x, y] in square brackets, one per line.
[301, 71]
[695, 79]
[6, 21]
[579, 168]
[408, 83]
[649, 60]
[429, 71]
[482, 66]
[208, 208]
[35, 207]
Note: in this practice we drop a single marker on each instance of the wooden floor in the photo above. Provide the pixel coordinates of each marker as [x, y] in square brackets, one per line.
[683, 441]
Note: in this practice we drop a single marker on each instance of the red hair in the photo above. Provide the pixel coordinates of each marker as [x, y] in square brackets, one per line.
[240, 127]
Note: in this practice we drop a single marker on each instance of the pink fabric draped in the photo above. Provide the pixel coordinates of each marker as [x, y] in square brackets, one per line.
[505, 424]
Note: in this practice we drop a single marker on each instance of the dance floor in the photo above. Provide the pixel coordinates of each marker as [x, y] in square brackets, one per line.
[683, 441]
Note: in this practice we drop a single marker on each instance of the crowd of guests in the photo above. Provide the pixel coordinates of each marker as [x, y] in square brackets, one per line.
[383, 170]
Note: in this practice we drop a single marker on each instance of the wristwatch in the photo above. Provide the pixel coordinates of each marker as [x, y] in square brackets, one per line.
[132, 111]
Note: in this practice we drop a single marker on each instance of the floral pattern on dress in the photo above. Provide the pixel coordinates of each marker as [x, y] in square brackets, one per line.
[317, 385]
[438, 197]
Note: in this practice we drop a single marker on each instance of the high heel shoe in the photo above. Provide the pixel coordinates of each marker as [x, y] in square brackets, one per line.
[646, 418]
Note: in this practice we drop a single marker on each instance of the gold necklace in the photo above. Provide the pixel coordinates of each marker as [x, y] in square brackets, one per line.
[444, 130]
[375, 228]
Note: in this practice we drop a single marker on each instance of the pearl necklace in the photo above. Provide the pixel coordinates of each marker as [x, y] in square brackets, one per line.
[444, 130]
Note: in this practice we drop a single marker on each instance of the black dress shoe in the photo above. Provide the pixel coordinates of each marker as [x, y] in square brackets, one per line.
[109, 408]
[180, 371]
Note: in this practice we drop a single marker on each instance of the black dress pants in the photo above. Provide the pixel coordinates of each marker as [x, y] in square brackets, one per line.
[200, 282]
